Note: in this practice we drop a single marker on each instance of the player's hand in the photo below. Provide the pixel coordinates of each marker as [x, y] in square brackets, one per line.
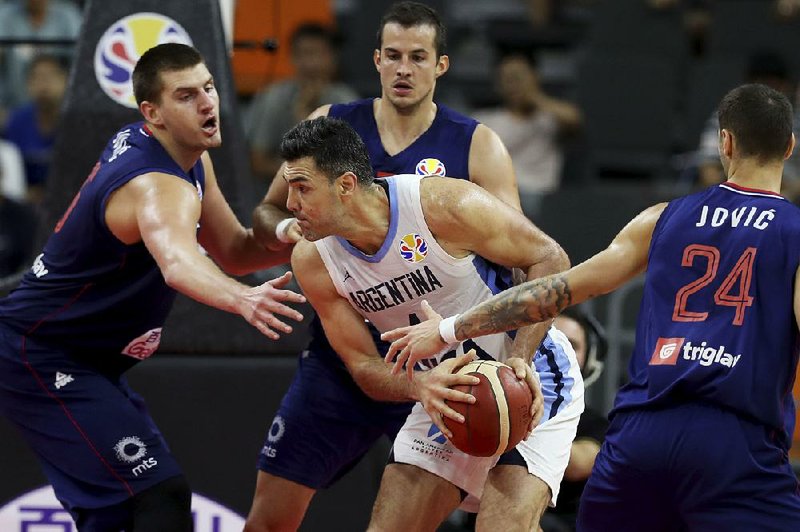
[524, 372]
[261, 303]
[293, 232]
[414, 342]
[435, 386]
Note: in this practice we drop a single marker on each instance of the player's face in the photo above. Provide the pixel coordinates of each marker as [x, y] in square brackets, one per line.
[576, 336]
[408, 65]
[189, 108]
[312, 199]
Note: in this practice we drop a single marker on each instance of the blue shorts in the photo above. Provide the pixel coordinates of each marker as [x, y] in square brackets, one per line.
[325, 424]
[689, 467]
[92, 434]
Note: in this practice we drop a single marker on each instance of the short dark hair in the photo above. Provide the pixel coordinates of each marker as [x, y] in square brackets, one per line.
[410, 14]
[314, 30]
[334, 146]
[167, 57]
[760, 119]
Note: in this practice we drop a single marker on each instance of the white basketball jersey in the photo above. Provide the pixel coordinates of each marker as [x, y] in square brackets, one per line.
[388, 287]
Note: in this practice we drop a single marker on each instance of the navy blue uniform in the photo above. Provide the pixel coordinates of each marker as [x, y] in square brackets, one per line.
[325, 423]
[90, 308]
[699, 437]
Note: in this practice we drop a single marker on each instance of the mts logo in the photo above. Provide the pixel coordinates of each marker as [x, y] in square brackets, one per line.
[666, 351]
[147, 463]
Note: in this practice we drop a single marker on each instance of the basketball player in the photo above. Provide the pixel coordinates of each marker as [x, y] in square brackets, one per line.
[699, 436]
[95, 300]
[405, 133]
[374, 249]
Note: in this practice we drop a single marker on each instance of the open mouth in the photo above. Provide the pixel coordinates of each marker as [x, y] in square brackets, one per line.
[210, 125]
[402, 87]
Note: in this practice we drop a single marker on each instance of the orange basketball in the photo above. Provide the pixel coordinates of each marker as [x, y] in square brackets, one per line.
[501, 414]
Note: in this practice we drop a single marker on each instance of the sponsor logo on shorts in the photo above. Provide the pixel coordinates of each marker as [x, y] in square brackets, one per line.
[413, 248]
[436, 445]
[62, 379]
[431, 166]
[145, 345]
[668, 350]
[274, 435]
[435, 434]
[132, 449]
[121, 46]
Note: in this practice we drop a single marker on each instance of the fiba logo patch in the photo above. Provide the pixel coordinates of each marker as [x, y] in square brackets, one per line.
[431, 167]
[123, 44]
[666, 351]
[130, 449]
[413, 248]
[276, 430]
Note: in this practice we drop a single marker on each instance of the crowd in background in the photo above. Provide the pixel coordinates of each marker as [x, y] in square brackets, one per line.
[523, 67]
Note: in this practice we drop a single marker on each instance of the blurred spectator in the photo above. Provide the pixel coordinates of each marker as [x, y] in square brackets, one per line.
[31, 19]
[765, 67]
[787, 8]
[32, 126]
[531, 124]
[282, 105]
[588, 339]
[12, 172]
[17, 223]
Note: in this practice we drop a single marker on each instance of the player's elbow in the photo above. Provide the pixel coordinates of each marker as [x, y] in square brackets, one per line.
[172, 271]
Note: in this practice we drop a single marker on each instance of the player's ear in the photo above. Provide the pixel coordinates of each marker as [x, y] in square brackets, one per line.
[442, 65]
[791, 147]
[376, 58]
[150, 112]
[725, 143]
[346, 183]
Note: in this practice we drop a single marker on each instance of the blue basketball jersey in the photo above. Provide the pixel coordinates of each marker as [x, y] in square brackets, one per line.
[716, 323]
[87, 292]
[443, 149]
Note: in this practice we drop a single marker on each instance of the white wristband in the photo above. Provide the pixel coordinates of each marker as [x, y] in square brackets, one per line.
[447, 330]
[282, 229]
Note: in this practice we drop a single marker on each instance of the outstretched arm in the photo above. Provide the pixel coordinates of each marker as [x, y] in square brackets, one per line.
[537, 300]
[162, 211]
[232, 246]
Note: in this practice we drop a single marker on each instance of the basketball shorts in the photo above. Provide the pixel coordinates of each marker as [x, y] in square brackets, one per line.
[325, 424]
[689, 467]
[92, 434]
[546, 451]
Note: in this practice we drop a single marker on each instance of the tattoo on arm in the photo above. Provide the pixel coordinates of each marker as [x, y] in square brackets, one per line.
[531, 302]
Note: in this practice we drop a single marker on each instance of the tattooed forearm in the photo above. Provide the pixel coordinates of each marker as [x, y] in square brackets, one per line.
[528, 303]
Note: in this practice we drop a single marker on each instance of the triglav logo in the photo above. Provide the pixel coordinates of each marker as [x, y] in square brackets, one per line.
[123, 44]
[145, 345]
[666, 352]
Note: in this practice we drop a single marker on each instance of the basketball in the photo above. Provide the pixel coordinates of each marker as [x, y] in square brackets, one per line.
[501, 414]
